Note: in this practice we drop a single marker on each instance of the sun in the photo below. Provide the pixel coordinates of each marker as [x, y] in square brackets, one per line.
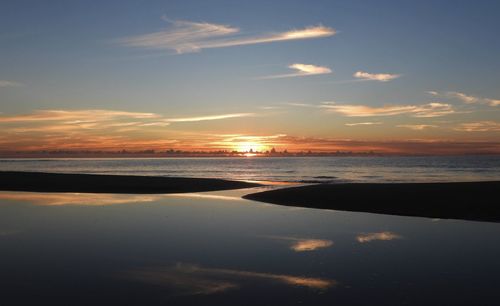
[249, 146]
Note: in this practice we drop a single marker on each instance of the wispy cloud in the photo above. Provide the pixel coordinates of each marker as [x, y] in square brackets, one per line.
[79, 116]
[212, 117]
[188, 36]
[301, 70]
[493, 102]
[363, 123]
[468, 99]
[5, 83]
[381, 77]
[433, 109]
[383, 236]
[481, 126]
[298, 104]
[95, 130]
[417, 127]
[107, 139]
[89, 118]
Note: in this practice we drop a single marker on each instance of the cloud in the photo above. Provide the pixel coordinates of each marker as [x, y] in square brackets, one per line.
[162, 140]
[383, 236]
[91, 118]
[300, 104]
[79, 116]
[5, 83]
[187, 36]
[417, 127]
[212, 117]
[468, 99]
[433, 109]
[463, 97]
[415, 146]
[493, 102]
[381, 77]
[95, 130]
[481, 126]
[363, 123]
[301, 70]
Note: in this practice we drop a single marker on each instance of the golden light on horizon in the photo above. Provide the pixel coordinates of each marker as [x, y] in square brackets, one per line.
[249, 146]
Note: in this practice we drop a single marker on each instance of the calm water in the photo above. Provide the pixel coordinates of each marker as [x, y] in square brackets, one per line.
[217, 249]
[307, 169]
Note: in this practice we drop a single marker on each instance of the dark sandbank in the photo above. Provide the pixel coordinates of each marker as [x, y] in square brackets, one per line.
[92, 183]
[468, 200]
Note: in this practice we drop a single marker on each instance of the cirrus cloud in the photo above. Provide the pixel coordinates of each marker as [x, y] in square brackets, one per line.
[481, 126]
[301, 70]
[6, 83]
[212, 117]
[417, 127]
[363, 123]
[433, 109]
[381, 77]
[188, 36]
[468, 99]
[78, 116]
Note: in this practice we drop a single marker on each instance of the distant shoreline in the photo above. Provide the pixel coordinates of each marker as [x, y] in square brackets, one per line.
[239, 155]
[125, 184]
[462, 200]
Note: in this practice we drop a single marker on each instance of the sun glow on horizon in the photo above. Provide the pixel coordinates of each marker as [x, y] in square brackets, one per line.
[249, 147]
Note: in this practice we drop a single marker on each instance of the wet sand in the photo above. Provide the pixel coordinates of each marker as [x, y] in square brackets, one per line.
[56, 182]
[468, 200]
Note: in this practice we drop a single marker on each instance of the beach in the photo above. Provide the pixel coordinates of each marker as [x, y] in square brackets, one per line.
[91, 183]
[457, 200]
[90, 236]
[451, 200]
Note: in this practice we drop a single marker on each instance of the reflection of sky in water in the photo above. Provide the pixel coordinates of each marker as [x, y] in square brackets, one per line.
[304, 244]
[86, 199]
[234, 252]
[193, 279]
[104, 199]
[384, 236]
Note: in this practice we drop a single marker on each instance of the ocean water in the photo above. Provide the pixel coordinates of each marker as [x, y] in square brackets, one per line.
[216, 248]
[289, 169]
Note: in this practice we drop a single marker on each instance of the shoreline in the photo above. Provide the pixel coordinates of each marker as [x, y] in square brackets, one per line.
[123, 184]
[448, 200]
[476, 201]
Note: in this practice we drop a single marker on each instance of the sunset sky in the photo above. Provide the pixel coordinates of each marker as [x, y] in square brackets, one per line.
[389, 76]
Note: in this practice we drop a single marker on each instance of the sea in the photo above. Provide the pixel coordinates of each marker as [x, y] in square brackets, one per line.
[332, 169]
[216, 248]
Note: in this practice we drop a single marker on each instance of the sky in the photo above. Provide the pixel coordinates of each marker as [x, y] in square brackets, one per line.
[389, 76]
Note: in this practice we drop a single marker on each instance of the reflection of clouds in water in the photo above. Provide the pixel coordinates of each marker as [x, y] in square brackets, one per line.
[192, 279]
[304, 244]
[369, 237]
[87, 199]
[183, 278]
[310, 245]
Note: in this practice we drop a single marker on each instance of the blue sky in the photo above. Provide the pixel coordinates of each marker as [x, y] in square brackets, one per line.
[71, 55]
